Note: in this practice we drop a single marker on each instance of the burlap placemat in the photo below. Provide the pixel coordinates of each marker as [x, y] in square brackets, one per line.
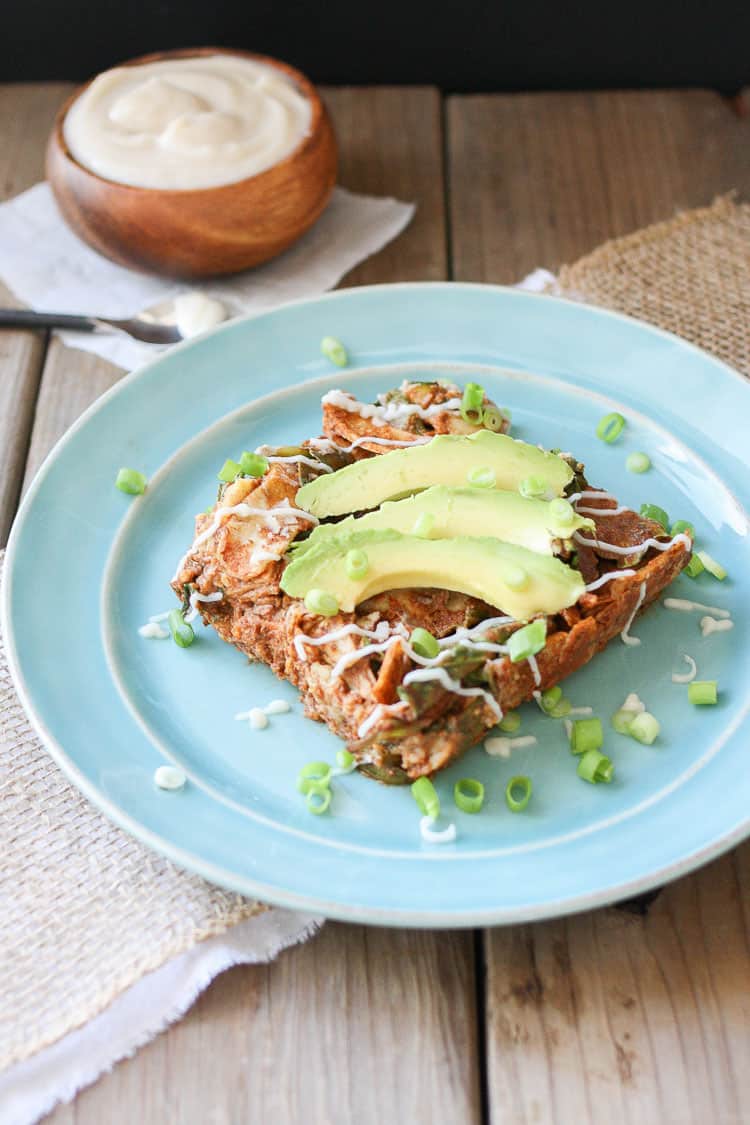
[86, 911]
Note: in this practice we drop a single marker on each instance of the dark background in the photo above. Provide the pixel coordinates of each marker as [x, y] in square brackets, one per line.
[527, 44]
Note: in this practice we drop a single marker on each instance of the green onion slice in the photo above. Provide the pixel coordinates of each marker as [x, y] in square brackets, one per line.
[712, 566]
[703, 692]
[253, 464]
[472, 404]
[493, 419]
[425, 794]
[314, 776]
[622, 720]
[518, 793]
[586, 734]
[182, 633]
[481, 477]
[424, 644]
[680, 527]
[318, 800]
[531, 487]
[344, 759]
[229, 471]
[356, 563]
[638, 463]
[321, 602]
[595, 767]
[645, 728]
[131, 481]
[510, 722]
[334, 350]
[654, 512]
[694, 567]
[468, 794]
[550, 698]
[527, 641]
[610, 427]
[561, 709]
[561, 511]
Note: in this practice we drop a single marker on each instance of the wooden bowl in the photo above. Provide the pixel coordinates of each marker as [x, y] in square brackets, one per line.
[205, 232]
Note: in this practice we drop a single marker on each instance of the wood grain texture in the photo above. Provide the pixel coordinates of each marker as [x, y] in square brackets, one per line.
[607, 1016]
[366, 1026]
[26, 112]
[540, 179]
[358, 1025]
[219, 230]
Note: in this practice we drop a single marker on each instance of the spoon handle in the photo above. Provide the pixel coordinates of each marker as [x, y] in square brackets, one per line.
[27, 318]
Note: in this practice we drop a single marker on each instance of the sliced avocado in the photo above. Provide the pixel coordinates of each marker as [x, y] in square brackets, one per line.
[519, 582]
[447, 459]
[455, 512]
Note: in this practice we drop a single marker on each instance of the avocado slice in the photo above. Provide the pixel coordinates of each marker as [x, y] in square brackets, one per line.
[519, 582]
[447, 459]
[460, 512]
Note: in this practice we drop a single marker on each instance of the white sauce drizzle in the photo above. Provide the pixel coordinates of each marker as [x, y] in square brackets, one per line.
[625, 635]
[609, 577]
[153, 631]
[568, 724]
[686, 606]
[195, 598]
[160, 616]
[300, 459]
[277, 707]
[590, 494]
[428, 834]
[710, 625]
[245, 511]
[533, 665]
[603, 511]
[634, 703]
[422, 675]
[331, 446]
[499, 747]
[377, 714]
[686, 677]
[378, 634]
[636, 549]
[169, 777]
[384, 414]
[581, 711]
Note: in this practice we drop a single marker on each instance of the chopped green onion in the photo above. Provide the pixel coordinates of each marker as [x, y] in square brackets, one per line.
[321, 602]
[694, 567]
[712, 566]
[468, 795]
[334, 350]
[182, 633]
[587, 734]
[527, 641]
[531, 487]
[472, 403]
[595, 767]
[610, 427]
[229, 471]
[510, 722]
[344, 759]
[481, 477]
[645, 728]
[702, 692]
[356, 563]
[561, 709]
[425, 794]
[638, 463]
[424, 644]
[318, 800]
[518, 793]
[622, 720]
[515, 577]
[253, 464]
[131, 481]
[423, 525]
[654, 512]
[493, 419]
[561, 511]
[682, 526]
[550, 698]
[314, 776]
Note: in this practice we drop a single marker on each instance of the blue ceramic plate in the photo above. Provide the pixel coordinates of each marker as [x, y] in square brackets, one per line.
[87, 565]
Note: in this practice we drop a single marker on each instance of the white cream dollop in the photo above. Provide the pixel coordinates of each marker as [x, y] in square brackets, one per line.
[187, 124]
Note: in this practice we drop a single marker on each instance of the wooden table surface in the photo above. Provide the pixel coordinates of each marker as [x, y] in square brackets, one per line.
[612, 1016]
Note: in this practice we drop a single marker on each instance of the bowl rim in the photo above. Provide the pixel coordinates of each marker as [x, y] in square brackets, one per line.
[319, 120]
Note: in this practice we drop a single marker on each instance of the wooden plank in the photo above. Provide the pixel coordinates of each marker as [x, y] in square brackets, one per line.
[365, 1025]
[26, 114]
[606, 1016]
[540, 179]
[358, 1025]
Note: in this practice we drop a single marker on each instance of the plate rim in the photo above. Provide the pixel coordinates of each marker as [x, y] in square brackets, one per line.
[191, 861]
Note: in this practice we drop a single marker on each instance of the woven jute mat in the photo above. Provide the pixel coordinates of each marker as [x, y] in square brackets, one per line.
[86, 911]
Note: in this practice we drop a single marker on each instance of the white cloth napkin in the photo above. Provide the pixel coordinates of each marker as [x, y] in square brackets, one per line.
[50, 269]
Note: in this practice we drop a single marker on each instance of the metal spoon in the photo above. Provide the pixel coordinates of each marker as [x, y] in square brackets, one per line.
[145, 327]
